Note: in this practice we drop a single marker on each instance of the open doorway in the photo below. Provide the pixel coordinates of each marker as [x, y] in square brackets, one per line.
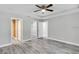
[16, 29]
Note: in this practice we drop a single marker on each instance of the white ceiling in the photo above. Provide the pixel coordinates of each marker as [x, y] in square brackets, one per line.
[28, 9]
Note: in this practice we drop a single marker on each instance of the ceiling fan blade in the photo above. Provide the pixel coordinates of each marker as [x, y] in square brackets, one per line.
[36, 10]
[50, 10]
[38, 6]
[49, 5]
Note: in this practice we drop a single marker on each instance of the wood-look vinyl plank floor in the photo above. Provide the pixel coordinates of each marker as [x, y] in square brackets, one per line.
[40, 46]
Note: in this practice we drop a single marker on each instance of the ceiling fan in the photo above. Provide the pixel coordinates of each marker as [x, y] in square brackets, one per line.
[44, 8]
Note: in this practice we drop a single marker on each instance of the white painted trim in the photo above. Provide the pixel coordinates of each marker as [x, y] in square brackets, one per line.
[48, 17]
[27, 40]
[71, 43]
[4, 45]
[20, 36]
[71, 11]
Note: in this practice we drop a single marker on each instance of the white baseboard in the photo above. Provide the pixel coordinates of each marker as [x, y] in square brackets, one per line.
[71, 43]
[27, 40]
[4, 45]
[67, 42]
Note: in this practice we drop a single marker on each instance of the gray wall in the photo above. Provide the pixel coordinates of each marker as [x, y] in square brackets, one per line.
[5, 27]
[27, 24]
[65, 28]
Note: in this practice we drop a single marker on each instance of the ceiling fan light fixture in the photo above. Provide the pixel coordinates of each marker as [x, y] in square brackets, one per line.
[43, 10]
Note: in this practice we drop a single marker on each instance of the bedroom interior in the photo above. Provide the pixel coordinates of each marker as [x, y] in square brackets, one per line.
[39, 29]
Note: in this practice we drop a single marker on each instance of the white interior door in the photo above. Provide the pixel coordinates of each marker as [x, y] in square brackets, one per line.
[40, 29]
[43, 29]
